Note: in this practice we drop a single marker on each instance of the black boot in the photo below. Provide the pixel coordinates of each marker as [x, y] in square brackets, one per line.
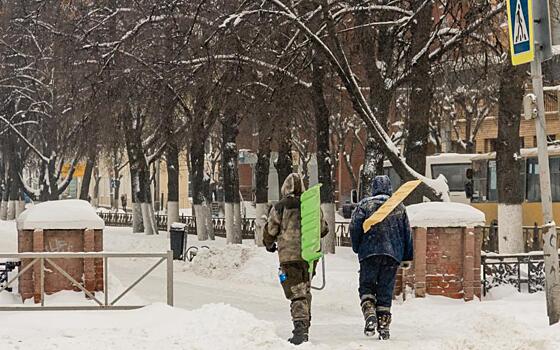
[383, 323]
[368, 310]
[371, 324]
[300, 333]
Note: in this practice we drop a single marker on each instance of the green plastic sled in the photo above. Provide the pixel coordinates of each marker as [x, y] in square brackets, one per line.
[311, 226]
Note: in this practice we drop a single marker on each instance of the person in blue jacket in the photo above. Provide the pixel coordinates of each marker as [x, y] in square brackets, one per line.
[380, 251]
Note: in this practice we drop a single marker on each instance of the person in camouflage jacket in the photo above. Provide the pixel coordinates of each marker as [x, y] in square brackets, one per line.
[282, 233]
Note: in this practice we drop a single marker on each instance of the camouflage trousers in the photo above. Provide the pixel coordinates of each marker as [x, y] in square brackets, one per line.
[297, 288]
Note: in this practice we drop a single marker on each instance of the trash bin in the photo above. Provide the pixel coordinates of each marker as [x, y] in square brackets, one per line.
[178, 239]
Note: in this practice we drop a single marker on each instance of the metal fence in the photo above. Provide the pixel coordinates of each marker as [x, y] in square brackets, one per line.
[248, 225]
[532, 236]
[106, 304]
[523, 271]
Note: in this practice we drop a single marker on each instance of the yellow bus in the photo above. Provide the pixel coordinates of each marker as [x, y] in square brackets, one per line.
[485, 189]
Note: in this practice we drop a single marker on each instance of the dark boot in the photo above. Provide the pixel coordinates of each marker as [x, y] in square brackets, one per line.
[300, 333]
[368, 310]
[383, 324]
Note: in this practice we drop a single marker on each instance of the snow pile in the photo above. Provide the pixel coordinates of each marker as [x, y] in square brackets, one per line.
[215, 326]
[444, 214]
[220, 262]
[69, 214]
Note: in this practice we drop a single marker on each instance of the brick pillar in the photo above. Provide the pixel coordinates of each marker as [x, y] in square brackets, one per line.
[99, 262]
[25, 283]
[420, 246]
[38, 247]
[477, 287]
[89, 264]
[468, 263]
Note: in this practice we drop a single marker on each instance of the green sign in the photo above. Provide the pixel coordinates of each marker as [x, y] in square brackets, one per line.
[311, 226]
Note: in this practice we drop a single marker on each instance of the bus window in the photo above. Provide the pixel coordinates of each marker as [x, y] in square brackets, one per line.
[456, 175]
[480, 188]
[395, 178]
[533, 180]
[492, 181]
[555, 178]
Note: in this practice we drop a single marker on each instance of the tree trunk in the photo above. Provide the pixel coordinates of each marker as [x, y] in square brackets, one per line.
[5, 199]
[284, 163]
[90, 164]
[230, 175]
[373, 47]
[508, 164]
[322, 127]
[140, 175]
[4, 204]
[137, 222]
[197, 182]
[13, 189]
[373, 166]
[3, 184]
[172, 184]
[421, 94]
[144, 196]
[262, 169]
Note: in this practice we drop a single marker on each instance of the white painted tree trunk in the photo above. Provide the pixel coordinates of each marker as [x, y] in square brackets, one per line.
[228, 209]
[172, 213]
[200, 214]
[20, 208]
[329, 242]
[4, 210]
[137, 224]
[209, 223]
[149, 220]
[237, 234]
[260, 221]
[510, 228]
[12, 210]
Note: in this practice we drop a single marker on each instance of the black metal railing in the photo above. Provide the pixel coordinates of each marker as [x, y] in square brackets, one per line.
[532, 236]
[523, 271]
[5, 268]
[248, 225]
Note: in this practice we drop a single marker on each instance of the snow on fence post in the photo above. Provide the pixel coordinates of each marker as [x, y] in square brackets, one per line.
[447, 246]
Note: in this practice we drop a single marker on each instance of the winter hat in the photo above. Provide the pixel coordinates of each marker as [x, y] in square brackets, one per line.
[382, 185]
[293, 185]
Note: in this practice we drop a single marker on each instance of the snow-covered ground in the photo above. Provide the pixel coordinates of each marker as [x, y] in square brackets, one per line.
[229, 298]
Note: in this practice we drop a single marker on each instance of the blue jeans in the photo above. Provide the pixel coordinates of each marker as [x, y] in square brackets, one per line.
[377, 280]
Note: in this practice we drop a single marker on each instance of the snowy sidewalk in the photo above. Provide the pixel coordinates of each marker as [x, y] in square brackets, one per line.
[229, 298]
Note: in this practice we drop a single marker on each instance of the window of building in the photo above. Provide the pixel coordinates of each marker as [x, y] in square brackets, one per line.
[490, 145]
[549, 139]
[521, 142]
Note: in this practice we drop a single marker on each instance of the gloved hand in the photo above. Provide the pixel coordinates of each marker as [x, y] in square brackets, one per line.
[405, 265]
[273, 248]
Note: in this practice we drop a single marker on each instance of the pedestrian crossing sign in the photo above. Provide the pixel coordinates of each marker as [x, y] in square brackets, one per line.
[521, 33]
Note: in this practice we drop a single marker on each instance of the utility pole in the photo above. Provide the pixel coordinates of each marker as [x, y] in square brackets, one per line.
[531, 41]
[550, 246]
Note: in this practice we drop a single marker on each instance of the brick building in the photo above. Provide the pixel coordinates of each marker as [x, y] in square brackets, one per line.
[485, 139]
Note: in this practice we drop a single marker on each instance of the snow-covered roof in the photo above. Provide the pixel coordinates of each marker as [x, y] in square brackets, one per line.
[69, 214]
[553, 150]
[444, 214]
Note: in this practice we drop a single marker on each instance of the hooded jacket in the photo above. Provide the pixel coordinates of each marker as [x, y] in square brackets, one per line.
[284, 221]
[391, 237]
